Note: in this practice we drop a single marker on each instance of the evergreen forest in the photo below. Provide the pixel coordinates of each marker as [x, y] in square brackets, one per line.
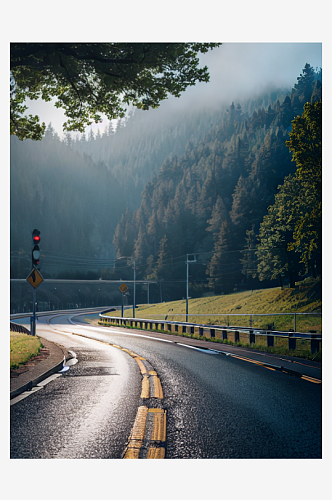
[222, 189]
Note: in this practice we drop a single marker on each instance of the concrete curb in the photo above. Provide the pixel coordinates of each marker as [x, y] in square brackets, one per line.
[45, 368]
[33, 383]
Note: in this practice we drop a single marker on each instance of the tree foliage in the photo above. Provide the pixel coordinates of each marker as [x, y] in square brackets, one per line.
[276, 233]
[305, 143]
[294, 222]
[91, 79]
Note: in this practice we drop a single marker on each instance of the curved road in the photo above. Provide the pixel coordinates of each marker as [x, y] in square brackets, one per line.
[208, 405]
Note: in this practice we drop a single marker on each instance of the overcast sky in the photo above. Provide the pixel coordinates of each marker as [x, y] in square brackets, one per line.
[237, 70]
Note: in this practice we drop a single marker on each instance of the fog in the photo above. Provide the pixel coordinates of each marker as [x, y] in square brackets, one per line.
[237, 71]
[240, 70]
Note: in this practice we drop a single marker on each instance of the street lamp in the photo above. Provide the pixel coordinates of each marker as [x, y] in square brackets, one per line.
[187, 294]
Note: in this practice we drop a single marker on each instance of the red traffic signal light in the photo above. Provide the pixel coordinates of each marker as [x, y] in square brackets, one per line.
[35, 254]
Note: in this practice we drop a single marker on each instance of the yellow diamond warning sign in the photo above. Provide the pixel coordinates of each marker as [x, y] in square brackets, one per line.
[123, 288]
[35, 278]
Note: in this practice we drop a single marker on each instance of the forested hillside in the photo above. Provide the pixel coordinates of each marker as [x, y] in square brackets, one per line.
[166, 183]
[63, 194]
[210, 201]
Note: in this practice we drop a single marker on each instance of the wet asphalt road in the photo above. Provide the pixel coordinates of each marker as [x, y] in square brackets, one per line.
[217, 406]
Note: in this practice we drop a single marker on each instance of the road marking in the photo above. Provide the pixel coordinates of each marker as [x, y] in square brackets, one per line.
[159, 429]
[48, 379]
[145, 394]
[311, 379]
[156, 452]
[137, 434]
[39, 386]
[205, 350]
[24, 395]
[279, 368]
[141, 365]
[152, 447]
[158, 391]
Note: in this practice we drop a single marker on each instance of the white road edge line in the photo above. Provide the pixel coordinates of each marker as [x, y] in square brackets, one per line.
[34, 389]
[206, 351]
[121, 332]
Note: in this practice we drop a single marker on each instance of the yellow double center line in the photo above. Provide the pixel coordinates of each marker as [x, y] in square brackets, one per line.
[270, 367]
[152, 444]
[142, 444]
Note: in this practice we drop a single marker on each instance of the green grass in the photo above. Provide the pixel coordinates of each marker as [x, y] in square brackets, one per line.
[306, 297]
[22, 348]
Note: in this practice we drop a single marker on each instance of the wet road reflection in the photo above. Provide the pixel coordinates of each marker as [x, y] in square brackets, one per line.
[217, 406]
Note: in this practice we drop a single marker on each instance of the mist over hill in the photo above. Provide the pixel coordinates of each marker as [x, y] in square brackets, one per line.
[167, 182]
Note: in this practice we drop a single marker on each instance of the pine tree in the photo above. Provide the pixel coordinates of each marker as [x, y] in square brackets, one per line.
[275, 260]
[222, 268]
[219, 214]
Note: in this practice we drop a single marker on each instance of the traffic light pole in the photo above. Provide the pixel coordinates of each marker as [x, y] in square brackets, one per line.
[187, 284]
[33, 326]
[35, 256]
[187, 290]
[134, 301]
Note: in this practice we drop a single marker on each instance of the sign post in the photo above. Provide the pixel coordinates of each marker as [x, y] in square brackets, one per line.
[34, 279]
[123, 288]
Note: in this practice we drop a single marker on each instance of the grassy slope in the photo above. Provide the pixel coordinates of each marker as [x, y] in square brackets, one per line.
[306, 297]
[22, 348]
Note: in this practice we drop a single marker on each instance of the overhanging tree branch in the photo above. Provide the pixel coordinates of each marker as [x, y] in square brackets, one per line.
[139, 73]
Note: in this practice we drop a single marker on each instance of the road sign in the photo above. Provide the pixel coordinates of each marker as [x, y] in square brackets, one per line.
[123, 288]
[35, 278]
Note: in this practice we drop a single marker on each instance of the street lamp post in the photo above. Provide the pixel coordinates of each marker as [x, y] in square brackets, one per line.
[134, 302]
[187, 294]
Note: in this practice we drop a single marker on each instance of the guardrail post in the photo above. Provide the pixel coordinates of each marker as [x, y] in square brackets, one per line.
[269, 339]
[212, 333]
[224, 334]
[252, 338]
[200, 330]
[314, 342]
[291, 340]
[237, 336]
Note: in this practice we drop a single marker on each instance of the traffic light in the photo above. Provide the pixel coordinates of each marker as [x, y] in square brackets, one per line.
[35, 254]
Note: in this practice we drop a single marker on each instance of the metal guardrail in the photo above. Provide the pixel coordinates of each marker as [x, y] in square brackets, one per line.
[16, 327]
[251, 316]
[235, 334]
